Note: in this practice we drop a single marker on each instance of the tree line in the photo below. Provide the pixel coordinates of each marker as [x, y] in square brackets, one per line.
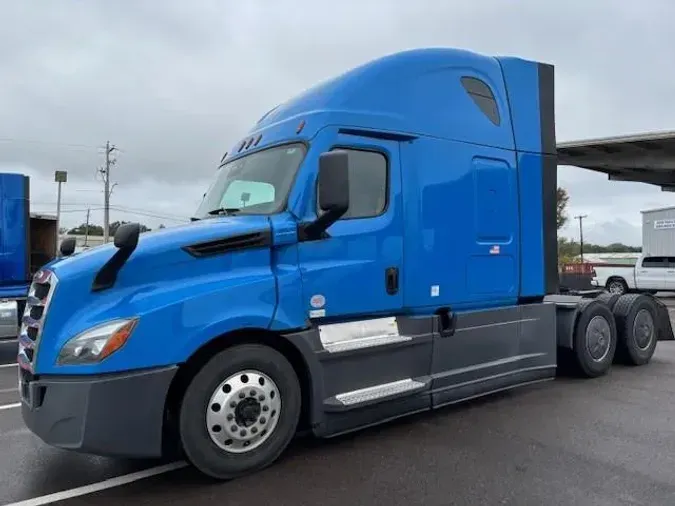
[97, 230]
[568, 249]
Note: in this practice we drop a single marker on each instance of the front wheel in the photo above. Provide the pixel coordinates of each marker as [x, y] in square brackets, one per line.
[240, 411]
[617, 286]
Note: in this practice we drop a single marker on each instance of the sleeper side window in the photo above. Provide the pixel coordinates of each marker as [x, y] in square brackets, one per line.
[368, 183]
[483, 97]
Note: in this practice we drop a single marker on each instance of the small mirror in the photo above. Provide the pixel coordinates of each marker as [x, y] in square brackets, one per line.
[67, 247]
[126, 236]
[333, 190]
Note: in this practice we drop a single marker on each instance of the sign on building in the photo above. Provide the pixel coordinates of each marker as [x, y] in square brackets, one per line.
[664, 224]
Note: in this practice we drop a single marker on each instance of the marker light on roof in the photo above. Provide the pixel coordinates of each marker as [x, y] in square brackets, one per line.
[300, 127]
[248, 144]
[257, 140]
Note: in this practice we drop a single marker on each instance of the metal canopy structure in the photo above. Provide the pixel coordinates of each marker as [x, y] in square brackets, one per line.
[644, 158]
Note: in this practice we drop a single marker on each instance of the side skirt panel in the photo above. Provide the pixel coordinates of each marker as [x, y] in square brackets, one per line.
[374, 371]
[494, 350]
[369, 372]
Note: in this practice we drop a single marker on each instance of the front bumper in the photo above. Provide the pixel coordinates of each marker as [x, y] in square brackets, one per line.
[118, 415]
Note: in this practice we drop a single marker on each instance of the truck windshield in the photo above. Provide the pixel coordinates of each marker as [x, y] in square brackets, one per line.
[254, 184]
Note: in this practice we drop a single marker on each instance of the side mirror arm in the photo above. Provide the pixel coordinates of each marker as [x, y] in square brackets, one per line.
[317, 228]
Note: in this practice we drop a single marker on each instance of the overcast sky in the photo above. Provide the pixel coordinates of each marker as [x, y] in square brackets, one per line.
[174, 83]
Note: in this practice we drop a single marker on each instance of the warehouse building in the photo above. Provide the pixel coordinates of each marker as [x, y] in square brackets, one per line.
[658, 231]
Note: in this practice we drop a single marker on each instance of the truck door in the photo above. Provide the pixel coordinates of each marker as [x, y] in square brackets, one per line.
[356, 269]
[670, 274]
[651, 273]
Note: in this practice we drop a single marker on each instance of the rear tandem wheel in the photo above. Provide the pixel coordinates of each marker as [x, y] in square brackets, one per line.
[595, 339]
[636, 318]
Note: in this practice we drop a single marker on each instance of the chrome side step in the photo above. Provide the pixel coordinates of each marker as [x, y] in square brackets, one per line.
[364, 342]
[377, 393]
[341, 337]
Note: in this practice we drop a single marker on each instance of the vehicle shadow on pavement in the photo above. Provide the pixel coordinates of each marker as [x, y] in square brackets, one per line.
[307, 447]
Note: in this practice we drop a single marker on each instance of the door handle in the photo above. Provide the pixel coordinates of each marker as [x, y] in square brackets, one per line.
[391, 280]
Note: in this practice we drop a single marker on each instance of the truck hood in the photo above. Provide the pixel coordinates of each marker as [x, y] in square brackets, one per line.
[161, 247]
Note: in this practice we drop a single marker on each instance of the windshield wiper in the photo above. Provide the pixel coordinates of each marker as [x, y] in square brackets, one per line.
[227, 211]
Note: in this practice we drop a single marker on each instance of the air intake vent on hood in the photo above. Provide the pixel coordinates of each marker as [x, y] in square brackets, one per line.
[232, 243]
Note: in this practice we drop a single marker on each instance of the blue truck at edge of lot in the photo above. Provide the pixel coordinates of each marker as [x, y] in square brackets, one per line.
[27, 243]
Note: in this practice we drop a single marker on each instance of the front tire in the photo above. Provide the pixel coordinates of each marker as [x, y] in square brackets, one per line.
[240, 411]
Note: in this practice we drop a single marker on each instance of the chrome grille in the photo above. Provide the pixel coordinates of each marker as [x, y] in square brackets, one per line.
[39, 296]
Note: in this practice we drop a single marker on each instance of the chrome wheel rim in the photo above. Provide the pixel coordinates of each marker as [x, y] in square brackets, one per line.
[243, 411]
[616, 287]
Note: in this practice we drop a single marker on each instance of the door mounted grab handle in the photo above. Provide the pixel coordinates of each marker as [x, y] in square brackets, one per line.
[391, 280]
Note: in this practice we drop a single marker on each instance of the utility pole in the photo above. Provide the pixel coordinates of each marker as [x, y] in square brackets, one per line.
[581, 234]
[60, 177]
[109, 162]
[86, 229]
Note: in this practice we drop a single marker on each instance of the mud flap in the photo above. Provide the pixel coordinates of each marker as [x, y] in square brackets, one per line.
[664, 325]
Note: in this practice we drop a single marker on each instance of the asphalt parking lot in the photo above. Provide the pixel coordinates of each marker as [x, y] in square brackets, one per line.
[609, 441]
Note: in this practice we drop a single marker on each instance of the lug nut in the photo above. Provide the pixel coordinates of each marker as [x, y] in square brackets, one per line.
[242, 395]
[234, 428]
[230, 417]
[266, 408]
[263, 419]
[252, 393]
[233, 404]
[242, 433]
[254, 430]
[261, 398]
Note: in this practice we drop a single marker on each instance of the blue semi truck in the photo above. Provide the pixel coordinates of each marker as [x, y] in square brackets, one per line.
[27, 243]
[383, 244]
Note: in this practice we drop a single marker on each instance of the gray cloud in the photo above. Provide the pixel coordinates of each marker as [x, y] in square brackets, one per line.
[175, 83]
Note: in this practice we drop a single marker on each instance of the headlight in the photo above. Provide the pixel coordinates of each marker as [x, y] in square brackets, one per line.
[97, 343]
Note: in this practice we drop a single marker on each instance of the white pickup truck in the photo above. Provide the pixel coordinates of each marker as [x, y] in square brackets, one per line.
[649, 274]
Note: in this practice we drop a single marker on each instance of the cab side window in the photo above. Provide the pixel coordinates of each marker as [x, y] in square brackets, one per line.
[368, 183]
[652, 262]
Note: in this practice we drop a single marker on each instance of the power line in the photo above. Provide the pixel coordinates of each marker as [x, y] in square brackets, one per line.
[131, 212]
[91, 147]
[148, 212]
[150, 215]
[83, 210]
[52, 143]
[114, 206]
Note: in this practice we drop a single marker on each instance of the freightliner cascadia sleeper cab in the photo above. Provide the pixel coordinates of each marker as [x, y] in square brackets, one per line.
[383, 244]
